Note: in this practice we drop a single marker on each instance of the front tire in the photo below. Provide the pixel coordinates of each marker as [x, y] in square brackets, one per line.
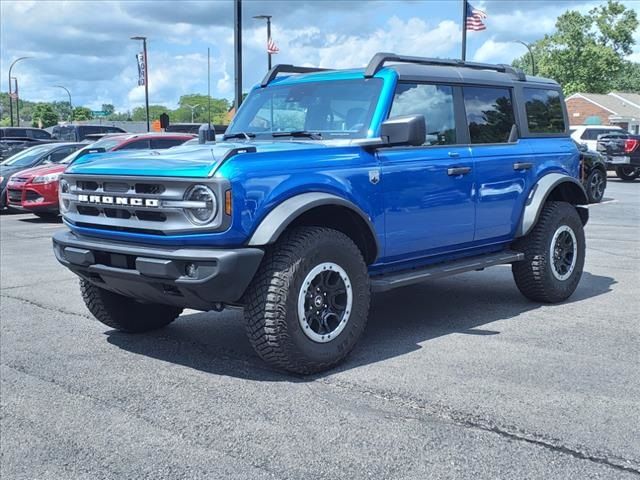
[627, 174]
[125, 313]
[554, 255]
[309, 301]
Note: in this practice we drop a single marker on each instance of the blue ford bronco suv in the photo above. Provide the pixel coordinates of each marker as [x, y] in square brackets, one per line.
[331, 185]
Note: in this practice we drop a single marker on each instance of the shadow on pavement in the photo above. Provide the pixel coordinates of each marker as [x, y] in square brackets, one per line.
[399, 322]
[43, 219]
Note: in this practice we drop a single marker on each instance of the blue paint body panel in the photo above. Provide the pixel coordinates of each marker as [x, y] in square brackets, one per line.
[420, 213]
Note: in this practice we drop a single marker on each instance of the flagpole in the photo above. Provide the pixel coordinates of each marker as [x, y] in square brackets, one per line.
[464, 30]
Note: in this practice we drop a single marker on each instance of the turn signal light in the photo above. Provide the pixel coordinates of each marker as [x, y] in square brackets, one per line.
[227, 202]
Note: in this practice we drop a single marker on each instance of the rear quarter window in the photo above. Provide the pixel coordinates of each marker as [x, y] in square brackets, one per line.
[544, 111]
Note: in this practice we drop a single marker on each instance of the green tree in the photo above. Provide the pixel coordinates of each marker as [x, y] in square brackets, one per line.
[82, 113]
[219, 108]
[108, 109]
[586, 52]
[44, 116]
[140, 114]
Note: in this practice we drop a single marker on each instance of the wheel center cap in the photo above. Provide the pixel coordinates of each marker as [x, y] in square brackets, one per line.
[317, 301]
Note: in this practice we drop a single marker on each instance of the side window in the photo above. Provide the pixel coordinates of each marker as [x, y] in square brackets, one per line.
[489, 114]
[158, 143]
[435, 102]
[60, 154]
[137, 145]
[544, 110]
[40, 134]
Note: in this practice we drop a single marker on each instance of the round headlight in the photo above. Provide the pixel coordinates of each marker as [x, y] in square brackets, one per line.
[63, 187]
[206, 211]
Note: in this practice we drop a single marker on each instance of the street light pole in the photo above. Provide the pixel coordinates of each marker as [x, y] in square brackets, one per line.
[237, 51]
[533, 60]
[10, 102]
[268, 19]
[192, 110]
[17, 92]
[70, 105]
[146, 77]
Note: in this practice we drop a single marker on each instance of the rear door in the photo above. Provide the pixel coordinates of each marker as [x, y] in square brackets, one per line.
[428, 190]
[504, 168]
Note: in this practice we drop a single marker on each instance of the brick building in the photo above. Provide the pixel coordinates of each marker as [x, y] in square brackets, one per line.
[615, 108]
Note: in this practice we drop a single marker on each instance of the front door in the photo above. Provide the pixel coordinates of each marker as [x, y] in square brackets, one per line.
[428, 190]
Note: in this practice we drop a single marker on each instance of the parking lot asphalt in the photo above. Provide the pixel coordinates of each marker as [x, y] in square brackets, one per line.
[456, 378]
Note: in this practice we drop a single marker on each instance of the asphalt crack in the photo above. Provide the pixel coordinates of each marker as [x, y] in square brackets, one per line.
[511, 432]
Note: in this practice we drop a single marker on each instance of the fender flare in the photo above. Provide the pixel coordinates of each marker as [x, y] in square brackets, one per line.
[280, 217]
[539, 194]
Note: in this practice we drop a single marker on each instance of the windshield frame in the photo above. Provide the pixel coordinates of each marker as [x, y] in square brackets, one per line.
[249, 111]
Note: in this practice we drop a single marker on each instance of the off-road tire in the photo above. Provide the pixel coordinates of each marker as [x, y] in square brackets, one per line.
[271, 301]
[626, 173]
[124, 313]
[596, 180]
[534, 275]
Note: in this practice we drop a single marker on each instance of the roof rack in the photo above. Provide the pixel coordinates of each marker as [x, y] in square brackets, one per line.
[273, 73]
[379, 59]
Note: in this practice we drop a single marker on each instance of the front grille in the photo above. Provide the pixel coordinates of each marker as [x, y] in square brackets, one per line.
[158, 209]
[20, 179]
[14, 195]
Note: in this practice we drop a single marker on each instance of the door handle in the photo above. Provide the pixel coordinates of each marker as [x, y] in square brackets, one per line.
[455, 171]
[522, 165]
[453, 154]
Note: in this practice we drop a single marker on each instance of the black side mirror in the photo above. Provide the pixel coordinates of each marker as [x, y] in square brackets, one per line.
[206, 133]
[408, 130]
[583, 147]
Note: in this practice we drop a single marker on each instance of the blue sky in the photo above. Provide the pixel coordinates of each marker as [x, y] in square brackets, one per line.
[85, 46]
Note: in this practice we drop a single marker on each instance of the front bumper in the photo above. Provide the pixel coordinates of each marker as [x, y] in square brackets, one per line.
[159, 275]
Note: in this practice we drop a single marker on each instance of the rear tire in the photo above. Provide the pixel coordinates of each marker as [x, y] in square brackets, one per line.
[125, 313]
[308, 304]
[554, 255]
[595, 185]
[627, 174]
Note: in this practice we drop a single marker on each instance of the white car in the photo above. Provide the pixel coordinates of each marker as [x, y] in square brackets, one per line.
[588, 134]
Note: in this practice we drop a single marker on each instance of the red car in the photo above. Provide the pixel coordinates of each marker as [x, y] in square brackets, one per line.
[36, 189]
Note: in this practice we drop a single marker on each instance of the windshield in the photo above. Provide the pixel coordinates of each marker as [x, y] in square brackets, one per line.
[335, 109]
[29, 156]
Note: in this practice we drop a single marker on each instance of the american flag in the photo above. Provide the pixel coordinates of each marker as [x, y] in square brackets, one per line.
[272, 48]
[475, 18]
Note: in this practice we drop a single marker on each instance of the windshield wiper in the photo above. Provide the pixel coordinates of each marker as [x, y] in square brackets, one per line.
[299, 133]
[245, 135]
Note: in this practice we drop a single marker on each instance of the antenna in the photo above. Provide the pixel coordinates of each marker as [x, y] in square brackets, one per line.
[209, 82]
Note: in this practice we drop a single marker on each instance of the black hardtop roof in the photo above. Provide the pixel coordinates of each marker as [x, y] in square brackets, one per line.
[432, 69]
[460, 74]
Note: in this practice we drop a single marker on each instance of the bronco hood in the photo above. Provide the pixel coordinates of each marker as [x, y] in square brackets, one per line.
[199, 161]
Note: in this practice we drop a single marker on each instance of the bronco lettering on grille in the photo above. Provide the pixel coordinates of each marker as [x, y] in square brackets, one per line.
[110, 200]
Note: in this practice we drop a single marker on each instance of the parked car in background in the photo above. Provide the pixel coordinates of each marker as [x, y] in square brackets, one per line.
[24, 132]
[36, 189]
[588, 134]
[593, 173]
[622, 153]
[78, 133]
[31, 157]
[193, 128]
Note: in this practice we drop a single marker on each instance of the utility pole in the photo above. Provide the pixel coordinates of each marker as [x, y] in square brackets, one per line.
[237, 30]
[10, 100]
[15, 79]
[146, 77]
[268, 19]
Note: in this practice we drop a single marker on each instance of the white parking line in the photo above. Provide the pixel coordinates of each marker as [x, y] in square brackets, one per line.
[613, 200]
